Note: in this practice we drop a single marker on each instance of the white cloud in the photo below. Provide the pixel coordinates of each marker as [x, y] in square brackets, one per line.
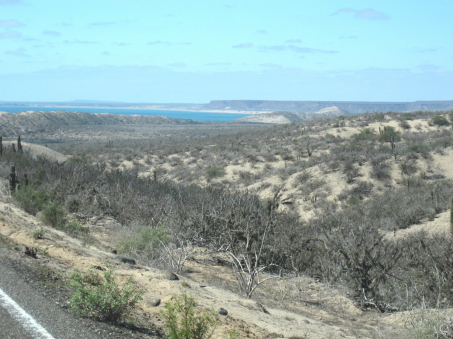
[271, 65]
[10, 23]
[366, 13]
[20, 52]
[177, 64]
[10, 2]
[349, 37]
[51, 33]
[244, 45]
[82, 42]
[219, 64]
[425, 50]
[293, 41]
[10, 34]
[102, 23]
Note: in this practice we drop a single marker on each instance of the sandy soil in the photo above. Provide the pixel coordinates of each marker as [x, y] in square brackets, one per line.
[38, 150]
[297, 307]
[251, 318]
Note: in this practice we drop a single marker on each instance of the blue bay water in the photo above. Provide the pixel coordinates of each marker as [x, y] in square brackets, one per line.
[200, 116]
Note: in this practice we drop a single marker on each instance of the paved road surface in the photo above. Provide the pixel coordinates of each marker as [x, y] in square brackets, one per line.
[59, 324]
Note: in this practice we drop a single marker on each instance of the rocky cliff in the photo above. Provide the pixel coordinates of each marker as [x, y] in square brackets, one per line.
[313, 106]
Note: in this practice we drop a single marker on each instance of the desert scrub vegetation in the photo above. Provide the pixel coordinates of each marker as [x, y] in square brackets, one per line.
[184, 320]
[101, 297]
[35, 200]
[440, 120]
[215, 172]
[349, 240]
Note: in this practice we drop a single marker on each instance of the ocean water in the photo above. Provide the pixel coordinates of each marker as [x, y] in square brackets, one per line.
[200, 116]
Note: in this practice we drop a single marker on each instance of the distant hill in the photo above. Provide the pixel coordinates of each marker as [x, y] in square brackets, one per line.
[354, 107]
[288, 117]
[314, 106]
[47, 121]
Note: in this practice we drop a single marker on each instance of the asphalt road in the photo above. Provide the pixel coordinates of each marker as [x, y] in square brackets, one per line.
[58, 323]
[10, 328]
[34, 304]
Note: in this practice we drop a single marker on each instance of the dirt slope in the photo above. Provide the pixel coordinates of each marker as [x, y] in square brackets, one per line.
[325, 313]
[30, 122]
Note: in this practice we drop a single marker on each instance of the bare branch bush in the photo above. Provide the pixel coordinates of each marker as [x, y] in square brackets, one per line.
[248, 273]
[176, 253]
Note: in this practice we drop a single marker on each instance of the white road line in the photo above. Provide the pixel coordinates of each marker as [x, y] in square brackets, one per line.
[25, 319]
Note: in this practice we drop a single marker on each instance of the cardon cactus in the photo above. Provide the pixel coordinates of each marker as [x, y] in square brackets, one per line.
[12, 179]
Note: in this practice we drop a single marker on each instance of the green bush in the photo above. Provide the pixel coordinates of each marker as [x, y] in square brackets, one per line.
[214, 172]
[101, 297]
[440, 120]
[54, 215]
[429, 326]
[389, 134]
[418, 148]
[143, 238]
[184, 321]
[365, 134]
[31, 199]
[74, 227]
[38, 234]
[404, 124]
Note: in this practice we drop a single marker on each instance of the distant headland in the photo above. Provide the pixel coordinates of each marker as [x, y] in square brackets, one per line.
[254, 106]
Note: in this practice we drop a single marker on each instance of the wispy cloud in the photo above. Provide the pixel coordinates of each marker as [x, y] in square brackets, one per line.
[271, 65]
[28, 39]
[51, 33]
[168, 43]
[20, 52]
[106, 53]
[425, 50]
[177, 64]
[10, 2]
[275, 48]
[10, 35]
[348, 37]
[102, 23]
[429, 67]
[82, 42]
[10, 23]
[121, 43]
[262, 31]
[366, 13]
[293, 41]
[218, 64]
[158, 42]
[244, 45]
[297, 49]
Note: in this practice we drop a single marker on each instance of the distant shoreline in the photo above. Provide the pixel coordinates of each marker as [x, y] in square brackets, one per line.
[150, 108]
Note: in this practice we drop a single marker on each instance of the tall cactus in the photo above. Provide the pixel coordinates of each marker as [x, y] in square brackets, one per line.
[19, 145]
[451, 217]
[12, 179]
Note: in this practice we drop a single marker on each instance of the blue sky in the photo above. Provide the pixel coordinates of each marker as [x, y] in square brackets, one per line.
[201, 50]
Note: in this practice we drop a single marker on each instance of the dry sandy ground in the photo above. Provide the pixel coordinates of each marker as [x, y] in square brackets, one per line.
[248, 317]
[313, 311]
[38, 150]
